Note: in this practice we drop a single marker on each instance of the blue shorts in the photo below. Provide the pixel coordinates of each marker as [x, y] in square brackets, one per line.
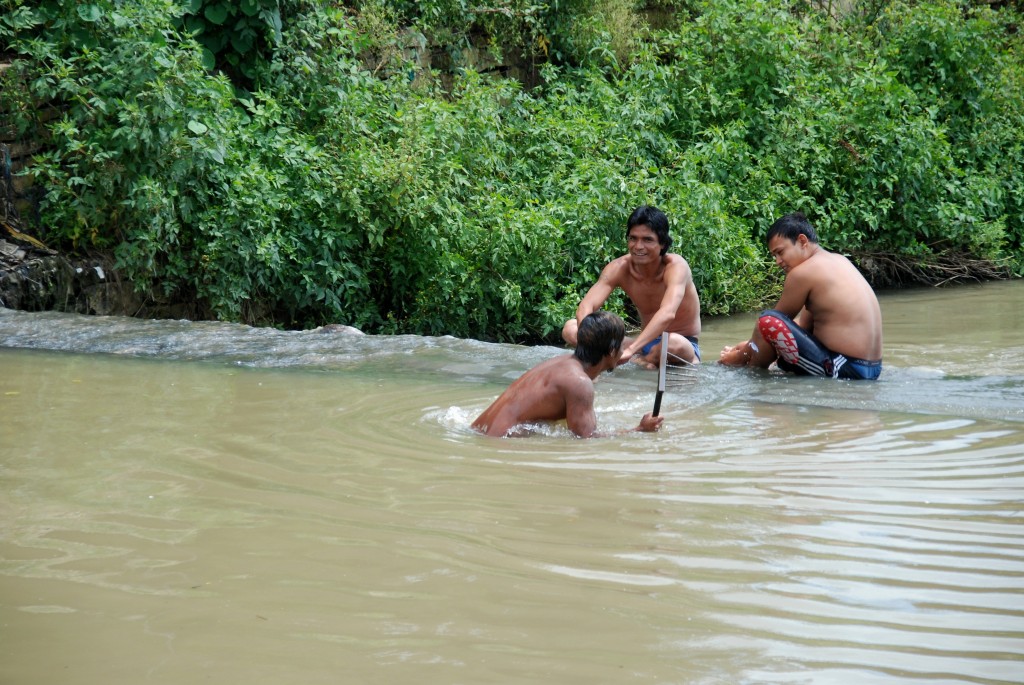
[646, 349]
[800, 352]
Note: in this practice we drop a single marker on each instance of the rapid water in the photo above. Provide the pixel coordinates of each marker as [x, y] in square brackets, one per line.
[188, 502]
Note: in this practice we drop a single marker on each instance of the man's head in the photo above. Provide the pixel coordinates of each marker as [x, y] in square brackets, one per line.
[791, 240]
[654, 219]
[791, 227]
[599, 334]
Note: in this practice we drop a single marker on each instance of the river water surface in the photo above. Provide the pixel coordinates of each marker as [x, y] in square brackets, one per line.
[199, 502]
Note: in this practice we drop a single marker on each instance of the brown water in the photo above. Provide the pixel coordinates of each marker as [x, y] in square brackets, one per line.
[211, 503]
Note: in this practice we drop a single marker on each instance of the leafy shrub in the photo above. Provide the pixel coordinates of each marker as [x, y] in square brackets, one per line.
[965, 62]
[236, 36]
[347, 188]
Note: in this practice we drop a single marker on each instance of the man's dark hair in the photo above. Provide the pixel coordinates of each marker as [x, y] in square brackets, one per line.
[791, 227]
[600, 332]
[655, 219]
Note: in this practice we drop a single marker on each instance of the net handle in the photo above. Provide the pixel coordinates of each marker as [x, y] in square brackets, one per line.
[662, 373]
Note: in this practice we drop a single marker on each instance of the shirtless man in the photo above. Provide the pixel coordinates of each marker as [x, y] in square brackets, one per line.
[827, 322]
[659, 284]
[563, 387]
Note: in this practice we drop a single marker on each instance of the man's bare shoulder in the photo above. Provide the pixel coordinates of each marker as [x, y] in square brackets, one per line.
[617, 269]
[671, 263]
[568, 370]
[837, 258]
[564, 367]
[675, 263]
[826, 278]
[824, 265]
[561, 377]
[673, 258]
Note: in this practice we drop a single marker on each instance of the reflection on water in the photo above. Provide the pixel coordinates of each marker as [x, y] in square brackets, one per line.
[205, 501]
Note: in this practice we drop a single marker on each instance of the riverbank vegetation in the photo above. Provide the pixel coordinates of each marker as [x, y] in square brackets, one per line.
[465, 167]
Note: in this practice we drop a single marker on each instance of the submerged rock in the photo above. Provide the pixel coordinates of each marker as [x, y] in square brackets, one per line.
[337, 328]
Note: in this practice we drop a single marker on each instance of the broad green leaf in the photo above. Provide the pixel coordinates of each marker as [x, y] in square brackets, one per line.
[90, 12]
[273, 18]
[216, 14]
[242, 43]
[195, 25]
[209, 60]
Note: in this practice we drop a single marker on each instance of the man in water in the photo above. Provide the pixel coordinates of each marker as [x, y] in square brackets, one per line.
[827, 322]
[563, 387]
[659, 284]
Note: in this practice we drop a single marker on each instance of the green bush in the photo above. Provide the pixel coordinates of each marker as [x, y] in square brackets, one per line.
[350, 185]
[237, 37]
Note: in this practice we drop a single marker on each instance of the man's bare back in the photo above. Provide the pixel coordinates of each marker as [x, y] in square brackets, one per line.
[553, 390]
[843, 312]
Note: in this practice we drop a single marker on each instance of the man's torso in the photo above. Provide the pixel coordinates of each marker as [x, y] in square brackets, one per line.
[647, 292]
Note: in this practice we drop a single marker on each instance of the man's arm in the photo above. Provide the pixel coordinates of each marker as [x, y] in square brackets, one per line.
[600, 291]
[587, 428]
[648, 424]
[581, 419]
[795, 292]
[579, 408]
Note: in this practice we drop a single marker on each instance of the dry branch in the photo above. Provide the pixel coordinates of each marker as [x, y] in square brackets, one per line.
[887, 269]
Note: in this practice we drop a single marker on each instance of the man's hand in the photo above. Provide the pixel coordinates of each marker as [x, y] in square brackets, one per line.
[625, 356]
[650, 424]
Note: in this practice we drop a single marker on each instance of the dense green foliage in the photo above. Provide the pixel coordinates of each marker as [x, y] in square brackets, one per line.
[324, 174]
[236, 36]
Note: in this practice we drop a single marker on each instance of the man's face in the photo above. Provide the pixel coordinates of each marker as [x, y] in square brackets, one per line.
[643, 242]
[788, 253]
[613, 357]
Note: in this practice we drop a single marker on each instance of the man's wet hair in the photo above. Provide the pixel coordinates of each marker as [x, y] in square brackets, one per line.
[600, 332]
[791, 227]
[655, 219]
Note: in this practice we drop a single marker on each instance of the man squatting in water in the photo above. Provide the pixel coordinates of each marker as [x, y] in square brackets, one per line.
[660, 286]
[827, 321]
